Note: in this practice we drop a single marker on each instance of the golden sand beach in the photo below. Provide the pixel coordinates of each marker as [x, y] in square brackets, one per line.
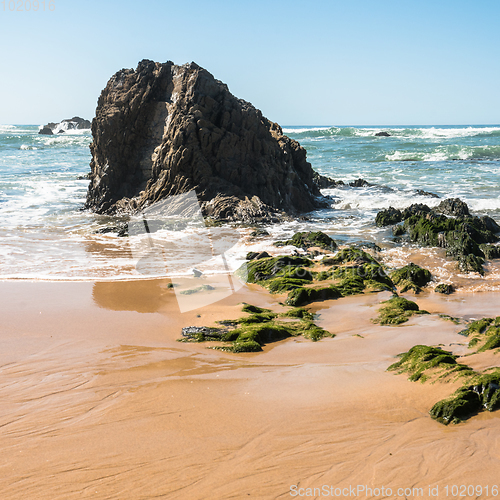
[99, 400]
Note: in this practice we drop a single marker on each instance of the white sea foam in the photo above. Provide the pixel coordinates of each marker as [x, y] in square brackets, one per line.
[7, 128]
[289, 130]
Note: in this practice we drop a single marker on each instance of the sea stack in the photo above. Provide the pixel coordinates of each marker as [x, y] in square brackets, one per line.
[163, 129]
[75, 123]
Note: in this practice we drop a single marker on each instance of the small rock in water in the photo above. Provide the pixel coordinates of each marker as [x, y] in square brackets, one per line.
[360, 183]
[421, 192]
[445, 288]
[382, 134]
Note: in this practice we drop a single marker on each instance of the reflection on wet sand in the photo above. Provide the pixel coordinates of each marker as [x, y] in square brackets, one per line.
[144, 296]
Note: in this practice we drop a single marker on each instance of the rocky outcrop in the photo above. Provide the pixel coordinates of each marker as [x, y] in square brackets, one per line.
[382, 134]
[75, 123]
[453, 206]
[163, 129]
[465, 237]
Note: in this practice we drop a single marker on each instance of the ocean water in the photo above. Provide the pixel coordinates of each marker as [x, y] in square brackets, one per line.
[44, 234]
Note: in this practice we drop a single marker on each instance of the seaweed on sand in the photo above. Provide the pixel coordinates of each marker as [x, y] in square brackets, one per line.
[397, 310]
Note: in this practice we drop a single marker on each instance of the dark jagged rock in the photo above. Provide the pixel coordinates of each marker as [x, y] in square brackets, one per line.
[257, 255]
[415, 209]
[453, 206]
[162, 130]
[490, 251]
[75, 123]
[324, 182]
[489, 224]
[257, 233]
[360, 183]
[388, 217]
[421, 192]
[307, 240]
[382, 134]
[398, 230]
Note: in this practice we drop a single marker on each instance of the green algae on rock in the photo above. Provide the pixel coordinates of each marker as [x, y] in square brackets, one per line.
[411, 277]
[466, 238]
[421, 360]
[397, 310]
[264, 269]
[485, 333]
[261, 326]
[302, 296]
[309, 239]
[444, 288]
[481, 392]
[388, 217]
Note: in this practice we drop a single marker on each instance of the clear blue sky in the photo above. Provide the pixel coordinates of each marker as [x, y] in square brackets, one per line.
[325, 62]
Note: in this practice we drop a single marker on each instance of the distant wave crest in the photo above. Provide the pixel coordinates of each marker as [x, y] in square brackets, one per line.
[421, 133]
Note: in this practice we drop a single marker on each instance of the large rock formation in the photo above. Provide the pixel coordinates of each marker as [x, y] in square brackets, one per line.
[164, 129]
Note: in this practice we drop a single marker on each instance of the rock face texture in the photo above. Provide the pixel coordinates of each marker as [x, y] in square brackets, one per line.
[164, 129]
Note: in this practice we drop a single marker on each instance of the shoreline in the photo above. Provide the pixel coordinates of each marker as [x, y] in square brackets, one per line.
[101, 399]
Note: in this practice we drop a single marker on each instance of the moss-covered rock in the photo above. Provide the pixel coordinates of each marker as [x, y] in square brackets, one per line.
[302, 296]
[351, 285]
[461, 405]
[484, 333]
[261, 326]
[324, 275]
[251, 309]
[397, 310]
[444, 288]
[490, 251]
[308, 240]
[244, 346]
[282, 285]
[413, 273]
[398, 230]
[348, 255]
[388, 217]
[297, 312]
[461, 236]
[257, 318]
[422, 360]
[411, 277]
[481, 392]
[264, 269]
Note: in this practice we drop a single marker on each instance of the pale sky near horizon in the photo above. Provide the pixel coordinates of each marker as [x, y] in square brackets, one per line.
[333, 62]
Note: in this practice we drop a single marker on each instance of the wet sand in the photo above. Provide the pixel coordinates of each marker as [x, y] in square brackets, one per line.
[99, 400]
